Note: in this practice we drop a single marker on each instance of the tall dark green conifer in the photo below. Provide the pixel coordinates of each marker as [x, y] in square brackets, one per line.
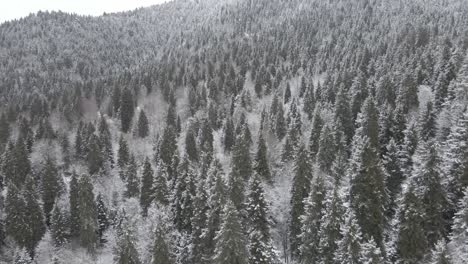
[87, 209]
[127, 110]
[143, 126]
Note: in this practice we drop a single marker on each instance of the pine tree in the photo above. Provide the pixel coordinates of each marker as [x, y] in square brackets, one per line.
[58, 226]
[327, 148]
[349, 247]
[146, 194]
[161, 193]
[230, 240]
[300, 191]
[160, 252]
[311, 220]
[183, 197]
[395, 176]
[88, 224]
[427, 123]
[127, 110]
[143, 126]
[280, 123]
[4, 131]
[343, 115]
[74, 201]
[132, 180]
[262, 166]
[22, 164]
[22, 257]
[309, 101]
[51, 187]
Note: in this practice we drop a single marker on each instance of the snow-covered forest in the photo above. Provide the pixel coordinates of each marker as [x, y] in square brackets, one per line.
[237, 132]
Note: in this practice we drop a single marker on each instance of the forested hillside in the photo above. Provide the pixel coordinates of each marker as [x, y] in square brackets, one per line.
[235, 132]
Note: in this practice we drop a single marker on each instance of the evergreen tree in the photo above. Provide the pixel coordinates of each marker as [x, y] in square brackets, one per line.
[191, 146]
[280, 123]
[58, 226]
[241, 169]
[411, 241]
[327, 148]
[459, 235]
[22, 257]
[371, 254]
[262, 166]
[168, 147]
[330, 233]
[315, 133]
[349, 247]
[87, 209]
[94, 156]
[146, 194]
[230, 240]
[368, 196]
[143, 126]
[102, 216]
[161, 192]
[132, 181]
[74, 201]
[311, 220]
[160, 253]
[427, 123]
[4, 130]
[260, 245]
[124, 154]
[229, 138]
[395, 176]
[309, 101]
[300, 190]
[105, 139]
[51, 187]
[126, 252]
[127, 110]
[440, 254]
[287, 93]
[343, 115]
[183, 197]
[199, 222]
[427, 178]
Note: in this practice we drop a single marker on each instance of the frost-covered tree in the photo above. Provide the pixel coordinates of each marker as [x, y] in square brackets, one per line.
[142, 126]
[230, 240]
[88, 223]
[350, 245]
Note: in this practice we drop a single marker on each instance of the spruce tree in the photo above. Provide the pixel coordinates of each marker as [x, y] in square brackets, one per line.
[350, 246]
[262, 166]
[300, 190]
[105, 139]
[58, 226]
[51, 187]
[87, 209]
[411, 240]
[311, 220]
[459, 235]
[143, 126]
[440, 254]
[368, 196]
[125, 251]
[191, 146]
[280, 123]
[74, 206]
[160, 251]
[123, 154]
[287, 93]
[183, 197]
[229, 137]
[199, 222]
[427, 177]
[103, 217]
[146, 194]
[315, 132]
[94, 157]
[132, 180]
[241, 169]
[330, 233]
[161, 193]
[168, 147]
[127, 110]
[230, 240]
[371, 254]
[260, 245]
[4, 131]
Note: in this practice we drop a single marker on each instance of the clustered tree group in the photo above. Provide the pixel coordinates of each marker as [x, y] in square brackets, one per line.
[254, 132]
